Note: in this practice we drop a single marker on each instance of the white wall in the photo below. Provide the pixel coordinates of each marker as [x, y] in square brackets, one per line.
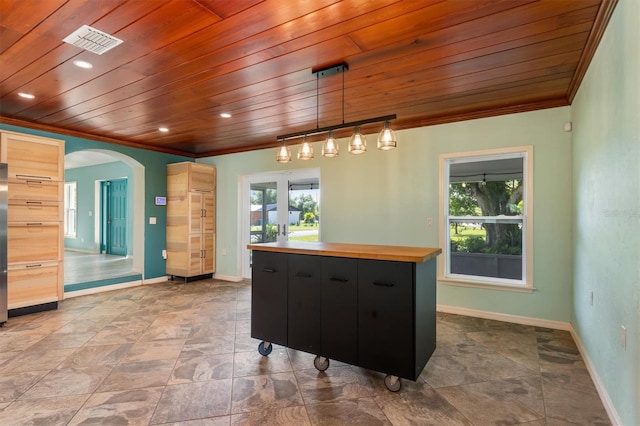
[606, 187]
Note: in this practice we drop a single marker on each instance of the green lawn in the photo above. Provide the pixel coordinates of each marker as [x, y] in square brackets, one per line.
[303, 227]
[464, 232]
[304, 238]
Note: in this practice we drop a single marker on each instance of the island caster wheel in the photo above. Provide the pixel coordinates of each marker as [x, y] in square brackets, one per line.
[321, 363]
[265, 348]
[392, 383]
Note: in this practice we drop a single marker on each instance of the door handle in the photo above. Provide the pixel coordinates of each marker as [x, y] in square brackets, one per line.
[383, 283]
[339, 279]
[284, 230]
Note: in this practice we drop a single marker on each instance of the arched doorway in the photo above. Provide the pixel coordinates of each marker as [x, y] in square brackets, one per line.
[89, 167]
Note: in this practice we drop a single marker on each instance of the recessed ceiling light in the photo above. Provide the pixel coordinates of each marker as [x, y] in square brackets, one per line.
[26, 95]
[225, 115]
[163, 129]
[82, 64]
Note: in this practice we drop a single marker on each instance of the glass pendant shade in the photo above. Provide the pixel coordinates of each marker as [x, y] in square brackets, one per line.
[330, 147]
[284, 154]
[387, 138]
[306, 150]
[357, 143]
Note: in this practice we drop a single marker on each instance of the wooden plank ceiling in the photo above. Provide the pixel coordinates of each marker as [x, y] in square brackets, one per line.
[183, 62]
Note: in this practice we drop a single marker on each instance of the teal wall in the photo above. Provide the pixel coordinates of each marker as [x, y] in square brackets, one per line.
[85, 178]
[155, 180]
[386, 198]
[606, 188]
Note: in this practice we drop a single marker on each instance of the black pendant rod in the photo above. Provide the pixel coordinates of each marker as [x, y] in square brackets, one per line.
[335, 127]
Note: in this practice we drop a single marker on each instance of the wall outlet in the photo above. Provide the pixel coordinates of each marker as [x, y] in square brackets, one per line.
[623, 337]
[223, 252]
[164, 254]
[429, 222]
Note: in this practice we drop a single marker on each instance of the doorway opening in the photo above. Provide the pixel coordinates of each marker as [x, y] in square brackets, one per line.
[108, 246]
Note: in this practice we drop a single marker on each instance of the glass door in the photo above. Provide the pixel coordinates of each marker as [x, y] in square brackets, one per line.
[279, 207]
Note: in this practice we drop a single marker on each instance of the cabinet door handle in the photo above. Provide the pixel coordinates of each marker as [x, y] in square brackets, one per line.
[383, 284]
[339, 279]
[34, 224]
[34, 203]
[270, 270]
[303, 275]
[34, 265]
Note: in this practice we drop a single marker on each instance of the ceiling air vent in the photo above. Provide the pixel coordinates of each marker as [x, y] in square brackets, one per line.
[93, 40]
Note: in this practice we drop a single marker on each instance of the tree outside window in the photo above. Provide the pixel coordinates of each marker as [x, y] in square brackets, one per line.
[487, 236]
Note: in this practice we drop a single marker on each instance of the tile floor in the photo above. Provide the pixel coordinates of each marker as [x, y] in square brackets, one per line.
[179, 353]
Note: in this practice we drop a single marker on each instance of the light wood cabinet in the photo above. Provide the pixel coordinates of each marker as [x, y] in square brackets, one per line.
[191, 219]
[35, 231]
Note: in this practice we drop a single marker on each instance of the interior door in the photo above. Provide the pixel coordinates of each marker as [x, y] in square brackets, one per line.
[267, 216]
[116, 217]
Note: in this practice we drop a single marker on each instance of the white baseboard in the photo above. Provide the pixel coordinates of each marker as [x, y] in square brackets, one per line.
[556, 325]
[516, 319]
[231, 278]
[602, 390]
[157, 280]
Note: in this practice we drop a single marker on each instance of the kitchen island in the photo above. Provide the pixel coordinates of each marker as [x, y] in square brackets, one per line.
[373, 306]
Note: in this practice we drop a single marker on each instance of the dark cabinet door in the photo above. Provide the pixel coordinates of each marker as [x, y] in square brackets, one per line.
[304, 302]
[339, 311]
[269, 297]
[385, 316]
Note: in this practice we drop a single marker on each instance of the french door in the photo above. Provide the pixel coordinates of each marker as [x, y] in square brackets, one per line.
[267, 214]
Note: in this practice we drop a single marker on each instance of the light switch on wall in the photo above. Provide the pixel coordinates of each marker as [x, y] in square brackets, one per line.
[152, 220]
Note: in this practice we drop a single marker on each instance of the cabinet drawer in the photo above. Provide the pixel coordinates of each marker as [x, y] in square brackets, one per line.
[20, 210]
[32, 284]
[34, 157]
[33, 241]
[35, 189]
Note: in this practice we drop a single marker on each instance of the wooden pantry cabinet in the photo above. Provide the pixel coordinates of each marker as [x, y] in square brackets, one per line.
[35, 228]
[191, 220]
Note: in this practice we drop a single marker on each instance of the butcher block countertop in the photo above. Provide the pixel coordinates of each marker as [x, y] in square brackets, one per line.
[357, 251]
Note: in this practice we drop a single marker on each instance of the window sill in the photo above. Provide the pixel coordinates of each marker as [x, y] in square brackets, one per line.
[486, 285]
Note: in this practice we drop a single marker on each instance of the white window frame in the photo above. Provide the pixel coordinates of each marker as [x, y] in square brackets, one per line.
[444, 275]
[70, 210]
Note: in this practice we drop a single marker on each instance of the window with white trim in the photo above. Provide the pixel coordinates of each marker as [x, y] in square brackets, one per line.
[70, 209]
[486, 232]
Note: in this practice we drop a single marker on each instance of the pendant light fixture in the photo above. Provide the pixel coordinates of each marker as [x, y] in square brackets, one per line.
[306, 150]
[330, 146]
[358, 142]
[284, 154]
[387, 138]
